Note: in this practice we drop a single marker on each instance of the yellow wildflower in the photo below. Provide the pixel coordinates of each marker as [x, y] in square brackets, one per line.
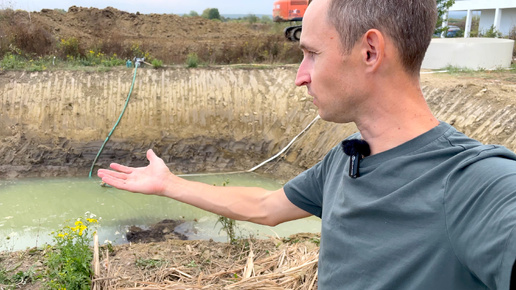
[62, 235]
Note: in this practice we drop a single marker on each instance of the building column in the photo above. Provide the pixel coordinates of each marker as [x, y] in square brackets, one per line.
[498, 19]
[467, 30]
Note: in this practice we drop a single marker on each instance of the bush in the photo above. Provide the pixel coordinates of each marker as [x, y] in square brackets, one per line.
[156, 63]
[69, 260]
[211, 13]
[114, 60]
[12, 61]
[69, 48]
[491, 32]
[192, 60]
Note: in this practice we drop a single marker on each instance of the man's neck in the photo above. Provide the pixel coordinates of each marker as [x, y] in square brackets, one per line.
[396, 117]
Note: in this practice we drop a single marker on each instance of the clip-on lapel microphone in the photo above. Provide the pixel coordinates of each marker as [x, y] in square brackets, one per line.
[356, 149]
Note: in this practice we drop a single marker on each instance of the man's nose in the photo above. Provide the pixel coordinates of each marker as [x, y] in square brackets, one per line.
[303, 75]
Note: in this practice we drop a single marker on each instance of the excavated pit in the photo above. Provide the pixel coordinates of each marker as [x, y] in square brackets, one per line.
[53, 123]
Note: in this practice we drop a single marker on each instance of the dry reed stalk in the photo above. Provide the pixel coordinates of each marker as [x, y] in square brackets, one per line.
[249, 267]
[95, 263]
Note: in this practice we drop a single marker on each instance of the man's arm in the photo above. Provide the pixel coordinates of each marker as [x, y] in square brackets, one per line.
[240, 203]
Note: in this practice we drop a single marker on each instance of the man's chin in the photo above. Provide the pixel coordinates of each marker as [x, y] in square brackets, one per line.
[332, 118]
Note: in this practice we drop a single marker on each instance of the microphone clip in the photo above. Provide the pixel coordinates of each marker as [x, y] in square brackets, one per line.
[356, 149]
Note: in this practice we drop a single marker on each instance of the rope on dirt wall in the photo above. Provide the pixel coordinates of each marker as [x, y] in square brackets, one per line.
[286, 147]
[264, 162]
[117, 122]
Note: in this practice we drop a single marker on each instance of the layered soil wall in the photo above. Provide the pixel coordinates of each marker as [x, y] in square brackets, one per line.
[199, 120]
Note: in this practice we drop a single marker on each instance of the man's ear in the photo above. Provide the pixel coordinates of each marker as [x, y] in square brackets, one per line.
[373, 49]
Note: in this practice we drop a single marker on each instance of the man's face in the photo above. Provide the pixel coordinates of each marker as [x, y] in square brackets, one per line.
[331, 77]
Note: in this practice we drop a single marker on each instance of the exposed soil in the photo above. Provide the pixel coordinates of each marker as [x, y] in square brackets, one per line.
[168, 37]
[34, 149]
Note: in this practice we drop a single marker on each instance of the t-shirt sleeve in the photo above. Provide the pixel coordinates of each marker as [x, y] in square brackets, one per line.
[480, 206]
[306, 190]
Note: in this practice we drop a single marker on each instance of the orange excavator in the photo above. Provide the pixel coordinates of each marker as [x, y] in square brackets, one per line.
[290, 11]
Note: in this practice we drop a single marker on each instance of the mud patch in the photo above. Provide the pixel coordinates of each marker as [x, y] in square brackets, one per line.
[162, 231]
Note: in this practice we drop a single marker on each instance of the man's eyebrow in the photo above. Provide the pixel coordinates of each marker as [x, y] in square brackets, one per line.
[304, 46]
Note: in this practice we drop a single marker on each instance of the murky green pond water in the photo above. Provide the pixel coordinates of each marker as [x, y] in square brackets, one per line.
[31, 209]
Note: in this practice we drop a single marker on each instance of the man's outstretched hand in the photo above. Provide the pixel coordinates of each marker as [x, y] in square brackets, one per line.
[252, 204]
[148, 180]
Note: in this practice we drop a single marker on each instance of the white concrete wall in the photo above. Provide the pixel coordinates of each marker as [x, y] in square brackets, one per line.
[470, 53]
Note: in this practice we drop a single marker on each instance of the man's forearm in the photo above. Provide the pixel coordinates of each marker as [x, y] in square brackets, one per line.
[239, 203]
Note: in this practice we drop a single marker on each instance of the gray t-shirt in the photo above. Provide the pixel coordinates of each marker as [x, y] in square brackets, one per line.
[437, 212]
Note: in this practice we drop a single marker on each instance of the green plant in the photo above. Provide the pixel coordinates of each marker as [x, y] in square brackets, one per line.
[5, 278]
[455, 70]
[12, 61]
[211, 13]
[156, 63]
[149, 263]
[228, 225]
[316, 241]
[192, 14]
[192, 264]
[139, 51]
[192, 60]
[491, 32]
[113, 60]
[24, 277]
[68, 262]
[10, 281]
[70, 47]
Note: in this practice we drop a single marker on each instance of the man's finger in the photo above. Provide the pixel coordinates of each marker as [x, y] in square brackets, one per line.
[121, 168]
[151, 156]
[113, 174]
[115, 182]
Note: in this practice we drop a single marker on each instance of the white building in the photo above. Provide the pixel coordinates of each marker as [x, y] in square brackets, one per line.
[500, 13]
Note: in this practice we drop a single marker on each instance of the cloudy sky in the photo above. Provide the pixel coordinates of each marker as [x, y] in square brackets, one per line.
[150, 6]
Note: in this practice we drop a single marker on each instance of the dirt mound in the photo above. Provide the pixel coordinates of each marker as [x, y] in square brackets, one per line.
[168, 37]
[92, 24]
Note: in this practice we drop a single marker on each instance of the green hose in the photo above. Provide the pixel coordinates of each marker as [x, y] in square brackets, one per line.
[116, 124]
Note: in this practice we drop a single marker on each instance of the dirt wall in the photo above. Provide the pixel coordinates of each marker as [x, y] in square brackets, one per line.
[198, 120]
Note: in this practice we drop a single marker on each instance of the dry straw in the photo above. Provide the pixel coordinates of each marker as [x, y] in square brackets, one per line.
[252, 264]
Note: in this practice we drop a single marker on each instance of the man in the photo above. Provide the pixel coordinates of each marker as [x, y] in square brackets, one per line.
[429, 208]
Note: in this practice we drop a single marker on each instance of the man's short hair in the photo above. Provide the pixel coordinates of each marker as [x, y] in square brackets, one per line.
[409, 23]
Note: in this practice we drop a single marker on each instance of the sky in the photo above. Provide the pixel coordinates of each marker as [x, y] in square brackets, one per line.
[150, 6]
